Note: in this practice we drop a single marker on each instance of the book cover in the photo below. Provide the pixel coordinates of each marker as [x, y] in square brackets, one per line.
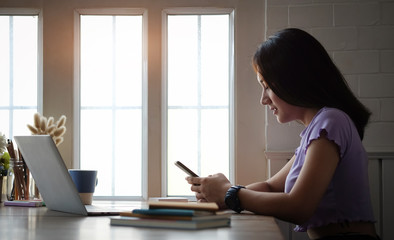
[206, 206]
[169, 199]
[24, 203]
[170, 224]
[184, 217]
[173, 212]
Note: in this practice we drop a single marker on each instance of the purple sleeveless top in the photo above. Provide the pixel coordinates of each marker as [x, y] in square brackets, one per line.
[347, 198]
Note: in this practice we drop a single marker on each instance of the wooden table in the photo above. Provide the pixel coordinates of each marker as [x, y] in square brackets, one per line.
[41, 223]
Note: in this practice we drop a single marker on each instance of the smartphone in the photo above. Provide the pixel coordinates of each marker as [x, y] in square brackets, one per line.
[185, 169]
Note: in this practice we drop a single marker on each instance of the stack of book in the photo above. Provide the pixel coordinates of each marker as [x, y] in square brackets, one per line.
[175, 215]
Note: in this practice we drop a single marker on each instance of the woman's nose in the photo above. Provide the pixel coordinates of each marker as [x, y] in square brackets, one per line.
[264, 98]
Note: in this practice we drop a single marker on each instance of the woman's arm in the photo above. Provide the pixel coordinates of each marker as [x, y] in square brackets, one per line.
[276, 183]
[299, 205]
[268, 198]
[214, 187]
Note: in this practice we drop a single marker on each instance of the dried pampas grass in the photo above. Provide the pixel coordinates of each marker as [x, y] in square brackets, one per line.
[48, 126]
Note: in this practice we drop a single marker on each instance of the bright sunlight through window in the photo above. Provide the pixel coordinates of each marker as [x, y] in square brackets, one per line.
[18, 73]
[197, 97]
[198, 102]
[111, 102]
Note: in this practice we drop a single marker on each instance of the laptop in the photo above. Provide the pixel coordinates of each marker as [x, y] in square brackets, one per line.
[53, 180]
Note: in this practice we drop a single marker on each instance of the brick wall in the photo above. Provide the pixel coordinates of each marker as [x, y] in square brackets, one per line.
[359, 35]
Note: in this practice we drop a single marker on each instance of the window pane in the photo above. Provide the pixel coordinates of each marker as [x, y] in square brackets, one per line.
[96, 60]
[214, 141]
[25, 57]
[128, 61]
[21, 118]
[214, 60]
[5, 122]
[111, 102]
[96, 150]
[198, 97]
[128, 154]
[4, 60]
[18, 73]
[182, 60]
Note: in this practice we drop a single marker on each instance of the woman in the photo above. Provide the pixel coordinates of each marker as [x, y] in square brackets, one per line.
[324, 188]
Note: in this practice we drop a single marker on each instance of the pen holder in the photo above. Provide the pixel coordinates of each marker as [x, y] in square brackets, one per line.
[20, 183]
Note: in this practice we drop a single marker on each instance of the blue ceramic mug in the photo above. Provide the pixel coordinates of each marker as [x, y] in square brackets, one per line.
[85, 181]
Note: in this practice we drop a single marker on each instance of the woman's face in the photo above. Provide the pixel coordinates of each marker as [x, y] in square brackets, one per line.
[283, 111]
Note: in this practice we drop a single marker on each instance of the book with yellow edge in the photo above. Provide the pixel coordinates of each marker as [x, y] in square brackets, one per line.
[206, 206]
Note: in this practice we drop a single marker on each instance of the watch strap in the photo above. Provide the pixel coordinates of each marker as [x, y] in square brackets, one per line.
[232, 201]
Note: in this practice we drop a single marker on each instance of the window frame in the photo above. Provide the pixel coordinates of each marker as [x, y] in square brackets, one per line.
[30, 12]
[250, 163]
[77, 91]
[195, 11]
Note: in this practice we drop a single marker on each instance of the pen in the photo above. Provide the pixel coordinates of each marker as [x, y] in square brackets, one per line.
[10, 148]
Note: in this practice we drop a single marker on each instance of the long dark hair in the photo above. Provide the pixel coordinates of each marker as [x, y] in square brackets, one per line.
[299, 71]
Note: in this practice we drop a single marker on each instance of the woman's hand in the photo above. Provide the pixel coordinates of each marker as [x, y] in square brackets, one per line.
[210, 189]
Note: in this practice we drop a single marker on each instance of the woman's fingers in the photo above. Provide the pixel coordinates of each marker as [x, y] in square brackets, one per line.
[199, 196]
[195, 188]
[193, 180]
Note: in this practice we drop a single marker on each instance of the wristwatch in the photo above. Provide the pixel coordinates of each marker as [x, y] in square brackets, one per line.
[232, 200]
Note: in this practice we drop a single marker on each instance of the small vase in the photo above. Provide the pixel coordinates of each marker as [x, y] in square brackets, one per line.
[17, 181]
[20, 183]
[3, 188]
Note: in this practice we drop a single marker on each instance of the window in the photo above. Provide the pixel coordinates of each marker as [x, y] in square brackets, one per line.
[111, 107]
[19, 72]
[198, 96]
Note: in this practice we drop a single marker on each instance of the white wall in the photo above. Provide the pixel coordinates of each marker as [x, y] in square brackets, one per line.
[359, 35]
